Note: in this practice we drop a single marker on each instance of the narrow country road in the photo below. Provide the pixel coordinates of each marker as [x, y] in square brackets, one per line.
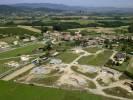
[18, 72]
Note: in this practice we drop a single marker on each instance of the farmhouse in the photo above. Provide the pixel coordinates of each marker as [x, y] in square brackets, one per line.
[15, 42]
[26, 40]
[33, 38]
[13, 64]
[25, 58]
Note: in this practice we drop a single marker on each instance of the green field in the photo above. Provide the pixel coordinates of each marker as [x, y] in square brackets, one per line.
[82, 22]
[122, 67]
[130, 67]
[20, 51]
[13, 91]
[96, 60]
[92, 49]
[16, 31]
[67, 57]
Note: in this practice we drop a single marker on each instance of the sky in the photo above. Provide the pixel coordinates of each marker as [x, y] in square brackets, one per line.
[87, 3]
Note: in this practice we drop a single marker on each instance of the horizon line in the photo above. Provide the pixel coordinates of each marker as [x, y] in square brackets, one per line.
[67, 5]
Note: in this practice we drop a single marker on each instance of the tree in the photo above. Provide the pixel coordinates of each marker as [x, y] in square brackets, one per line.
[44, 29]
[130, 28]
[84, 32]
[48, 45]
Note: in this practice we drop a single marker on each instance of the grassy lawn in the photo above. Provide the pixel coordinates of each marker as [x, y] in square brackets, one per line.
[20, 51]
[122, 67]
[67, 57]
[13, 91]
[96, 60]
[117, 91]
[130, 67]
[92, 49]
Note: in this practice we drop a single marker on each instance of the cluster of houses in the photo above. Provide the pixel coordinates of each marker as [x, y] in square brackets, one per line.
[89, 40]
[66, 36]
[4, 45]
[28, 39]
[14, 64]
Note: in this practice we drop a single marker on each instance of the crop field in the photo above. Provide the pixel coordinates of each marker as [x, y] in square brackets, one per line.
[14, 91]
[82, 22]
[16, 31]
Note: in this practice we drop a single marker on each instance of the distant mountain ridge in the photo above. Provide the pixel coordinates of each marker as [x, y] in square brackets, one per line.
[48, 5]
[66, 7]
[59, 8]
[9, 9]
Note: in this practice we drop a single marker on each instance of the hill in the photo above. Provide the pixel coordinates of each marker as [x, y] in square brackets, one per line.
[32, 8]
[75, 8]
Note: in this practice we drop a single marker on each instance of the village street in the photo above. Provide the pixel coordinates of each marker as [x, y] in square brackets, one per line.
[18, 72]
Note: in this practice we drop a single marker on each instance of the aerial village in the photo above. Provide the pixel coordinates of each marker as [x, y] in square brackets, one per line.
[70, 61]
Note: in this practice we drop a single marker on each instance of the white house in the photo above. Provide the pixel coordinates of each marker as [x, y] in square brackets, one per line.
[15, 42]
[26, 40]
[25, 58]
[4, 45]
[33, 38]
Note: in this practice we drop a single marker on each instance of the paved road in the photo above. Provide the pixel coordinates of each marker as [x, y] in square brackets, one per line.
[18, 72]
